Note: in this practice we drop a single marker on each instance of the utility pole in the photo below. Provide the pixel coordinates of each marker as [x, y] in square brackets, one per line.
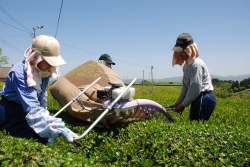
[143, 77]
[152, 79]
[36, 28]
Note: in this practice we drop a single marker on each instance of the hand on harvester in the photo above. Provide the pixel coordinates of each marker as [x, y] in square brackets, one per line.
[179, 108]
[69, 136]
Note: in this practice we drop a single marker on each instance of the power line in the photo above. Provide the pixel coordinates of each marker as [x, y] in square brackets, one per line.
[6, 43]
[59, 18]
[1, 8]
[13, 26]
[79, 48]
[11, 38]
[14, 35]
[8, 40]
[119, 59]
[28, 31]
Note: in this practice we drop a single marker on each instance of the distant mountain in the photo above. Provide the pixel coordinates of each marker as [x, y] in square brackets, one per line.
[233, 78]
[179, 78]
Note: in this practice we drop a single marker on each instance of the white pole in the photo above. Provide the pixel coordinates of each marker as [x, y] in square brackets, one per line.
[77, 96]
[152, 79]
[106, 111]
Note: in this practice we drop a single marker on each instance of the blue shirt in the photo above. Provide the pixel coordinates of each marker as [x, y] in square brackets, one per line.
[16, 89]
[34, 104]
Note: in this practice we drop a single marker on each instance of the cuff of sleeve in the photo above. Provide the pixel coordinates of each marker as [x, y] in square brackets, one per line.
[184, 104]
[65, 132]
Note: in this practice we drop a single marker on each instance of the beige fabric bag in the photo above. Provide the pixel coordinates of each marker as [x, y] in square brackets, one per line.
[70, 85]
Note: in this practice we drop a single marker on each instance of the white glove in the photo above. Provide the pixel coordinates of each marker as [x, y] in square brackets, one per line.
[69, 136]
[51, 141]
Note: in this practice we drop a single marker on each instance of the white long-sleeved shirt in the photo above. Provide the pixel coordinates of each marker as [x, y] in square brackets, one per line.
[196, 79]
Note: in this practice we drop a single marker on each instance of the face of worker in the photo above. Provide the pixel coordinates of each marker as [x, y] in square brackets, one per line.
[43, 65]
[183, 55]
[108, 65]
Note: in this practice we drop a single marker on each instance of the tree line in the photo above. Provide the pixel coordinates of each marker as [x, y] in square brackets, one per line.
[3, 59]
[235, 85]
[225, 88]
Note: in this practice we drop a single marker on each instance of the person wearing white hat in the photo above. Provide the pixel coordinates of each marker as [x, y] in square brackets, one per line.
[23, 108]
[197, 88]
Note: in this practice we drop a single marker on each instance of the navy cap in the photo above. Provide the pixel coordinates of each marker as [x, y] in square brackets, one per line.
[106, 58]
[182, 42]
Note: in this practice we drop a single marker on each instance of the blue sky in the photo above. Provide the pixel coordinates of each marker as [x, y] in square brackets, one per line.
[137, 34]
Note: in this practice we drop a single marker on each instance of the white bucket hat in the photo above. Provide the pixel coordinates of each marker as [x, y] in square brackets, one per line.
[49, 48]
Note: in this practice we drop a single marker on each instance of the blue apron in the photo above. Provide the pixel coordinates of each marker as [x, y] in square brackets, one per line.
[203, 106]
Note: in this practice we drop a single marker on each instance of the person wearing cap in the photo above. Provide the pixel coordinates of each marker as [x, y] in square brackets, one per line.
[23, 109]
[106, 60]
[197, 88]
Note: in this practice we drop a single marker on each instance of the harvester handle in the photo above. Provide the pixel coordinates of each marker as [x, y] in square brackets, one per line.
[172, 108]
[77, 142]
[106, 111]
[77, 96]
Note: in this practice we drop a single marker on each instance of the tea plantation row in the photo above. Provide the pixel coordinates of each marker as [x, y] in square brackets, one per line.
[224, 140]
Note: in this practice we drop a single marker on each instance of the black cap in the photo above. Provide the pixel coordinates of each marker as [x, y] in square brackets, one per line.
[106, 58]
[182, 42]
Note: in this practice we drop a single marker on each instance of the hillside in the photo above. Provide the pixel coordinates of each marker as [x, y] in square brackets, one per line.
[179, 78]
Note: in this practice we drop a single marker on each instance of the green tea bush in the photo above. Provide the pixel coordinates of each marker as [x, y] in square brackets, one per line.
[224, 140]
